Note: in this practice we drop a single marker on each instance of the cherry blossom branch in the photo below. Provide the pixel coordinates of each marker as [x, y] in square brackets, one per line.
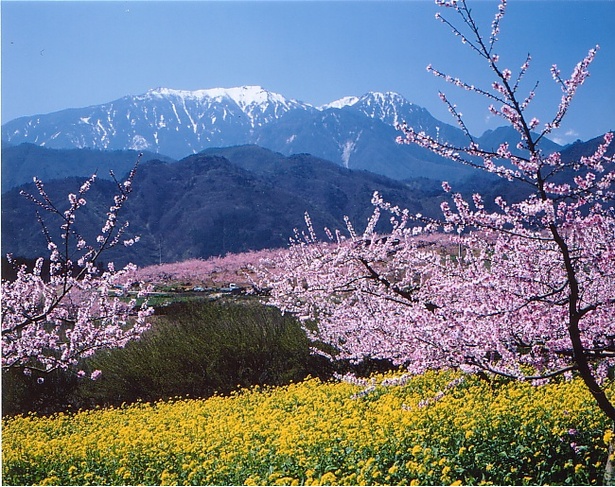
[50, 325]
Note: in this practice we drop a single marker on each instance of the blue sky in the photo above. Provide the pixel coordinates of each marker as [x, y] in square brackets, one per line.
[58, 55]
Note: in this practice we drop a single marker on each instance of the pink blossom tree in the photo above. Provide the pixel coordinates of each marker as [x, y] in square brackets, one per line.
[525, 291]
[53, 323]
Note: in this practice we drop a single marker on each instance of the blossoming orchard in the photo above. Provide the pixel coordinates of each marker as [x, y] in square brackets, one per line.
[521, 288]
[51, 324]
[528, 291]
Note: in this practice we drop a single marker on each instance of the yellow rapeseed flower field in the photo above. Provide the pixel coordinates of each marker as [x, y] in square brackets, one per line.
[438, 428]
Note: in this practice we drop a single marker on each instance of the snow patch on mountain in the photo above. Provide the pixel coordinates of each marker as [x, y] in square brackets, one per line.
[346, 101]
[139, 143]
[348, 148]
[242, 95]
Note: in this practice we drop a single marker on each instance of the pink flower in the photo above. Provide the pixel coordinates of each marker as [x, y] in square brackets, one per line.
[51, 323]
[96, 375]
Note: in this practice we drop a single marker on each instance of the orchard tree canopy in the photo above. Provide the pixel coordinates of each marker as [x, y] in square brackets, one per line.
[526, 290]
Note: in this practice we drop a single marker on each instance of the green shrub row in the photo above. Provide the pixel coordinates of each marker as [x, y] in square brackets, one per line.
[194, 349]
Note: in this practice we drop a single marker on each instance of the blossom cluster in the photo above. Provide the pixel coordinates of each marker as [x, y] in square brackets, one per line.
[54, 323]
[493, 307]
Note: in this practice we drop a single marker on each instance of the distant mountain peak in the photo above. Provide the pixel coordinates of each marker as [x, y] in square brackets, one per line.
[341, 103]
[389, 107]
[244, 96]
[259, 104]
[370, 98]
[384, 97]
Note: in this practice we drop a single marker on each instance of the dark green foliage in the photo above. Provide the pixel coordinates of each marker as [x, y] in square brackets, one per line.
[193, 348]
[208, 205]
[45, 393]
[199, 348]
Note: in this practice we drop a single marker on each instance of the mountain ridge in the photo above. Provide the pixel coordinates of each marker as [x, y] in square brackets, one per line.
[355, 132]
[20, 163]
[207, 205]
[233, 199]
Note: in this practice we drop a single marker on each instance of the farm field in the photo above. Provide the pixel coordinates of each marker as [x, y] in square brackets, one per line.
[434, 429]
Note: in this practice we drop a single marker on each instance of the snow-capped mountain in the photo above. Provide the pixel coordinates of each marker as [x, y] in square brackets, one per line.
[257, 104]
[172, 122]
[357, 132]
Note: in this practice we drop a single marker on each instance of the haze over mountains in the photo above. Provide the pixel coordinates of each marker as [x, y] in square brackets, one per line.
[355, 132]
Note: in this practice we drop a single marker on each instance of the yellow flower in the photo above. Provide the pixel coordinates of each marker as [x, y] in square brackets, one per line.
[50, 481]
[292, 429]
[328, 479]
[168, 478]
